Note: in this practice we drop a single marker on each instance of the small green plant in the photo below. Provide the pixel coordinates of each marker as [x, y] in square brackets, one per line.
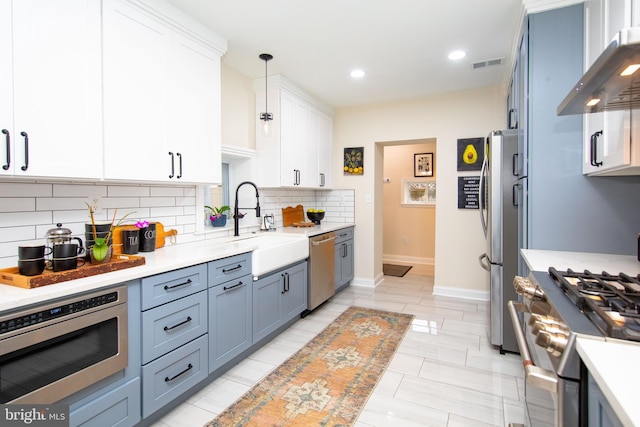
[100, 247]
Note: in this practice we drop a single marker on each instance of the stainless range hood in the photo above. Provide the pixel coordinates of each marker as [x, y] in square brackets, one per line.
[604, 81]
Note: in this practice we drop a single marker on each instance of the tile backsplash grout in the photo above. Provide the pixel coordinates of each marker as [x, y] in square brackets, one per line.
[29, 209]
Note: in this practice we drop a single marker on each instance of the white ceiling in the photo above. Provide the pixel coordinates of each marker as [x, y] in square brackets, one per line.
[402, 45]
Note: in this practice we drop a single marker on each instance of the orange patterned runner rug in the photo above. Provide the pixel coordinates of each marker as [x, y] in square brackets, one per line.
[328, 382]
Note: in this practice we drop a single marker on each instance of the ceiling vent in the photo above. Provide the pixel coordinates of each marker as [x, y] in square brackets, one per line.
[487, 63]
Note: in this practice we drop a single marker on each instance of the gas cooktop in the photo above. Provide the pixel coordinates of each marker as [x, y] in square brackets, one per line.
[612, 302]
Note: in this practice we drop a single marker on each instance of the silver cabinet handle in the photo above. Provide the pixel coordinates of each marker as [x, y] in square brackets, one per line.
[537, 377]
[321, 242]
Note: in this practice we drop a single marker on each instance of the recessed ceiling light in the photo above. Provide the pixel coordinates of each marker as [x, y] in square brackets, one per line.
[457, 54]
[357, 74]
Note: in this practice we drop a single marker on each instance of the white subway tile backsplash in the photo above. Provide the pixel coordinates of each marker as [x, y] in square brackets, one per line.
[128, 191]
[25, 190]
[79, 190]
[60, 203]
[166, 211]
[167, 191]
[13, 219]
[18, 204]
[29, 209]
[14, 234]
[185, 201]
[151, 202]
[120, 203]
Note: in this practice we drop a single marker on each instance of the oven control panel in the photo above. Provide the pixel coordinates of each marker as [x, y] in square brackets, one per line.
[53, 312]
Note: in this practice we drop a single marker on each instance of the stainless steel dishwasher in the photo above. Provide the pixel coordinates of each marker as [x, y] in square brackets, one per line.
[321, 269]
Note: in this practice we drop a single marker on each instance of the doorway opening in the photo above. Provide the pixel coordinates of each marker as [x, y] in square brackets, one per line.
[409, 200]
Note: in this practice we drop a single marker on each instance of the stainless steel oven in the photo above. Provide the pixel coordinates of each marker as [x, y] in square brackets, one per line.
[547, 323]
[51, 351]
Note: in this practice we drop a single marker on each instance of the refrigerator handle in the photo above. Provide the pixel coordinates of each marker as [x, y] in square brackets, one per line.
[514, 165]
[514, 194]
[483, 220]
[484, 265]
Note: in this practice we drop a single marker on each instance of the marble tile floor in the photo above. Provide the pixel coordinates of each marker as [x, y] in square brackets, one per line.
[445, 373]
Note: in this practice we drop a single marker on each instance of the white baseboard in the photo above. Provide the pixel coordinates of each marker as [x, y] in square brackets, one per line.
[365, 283]
[388, 259]
[461, 293]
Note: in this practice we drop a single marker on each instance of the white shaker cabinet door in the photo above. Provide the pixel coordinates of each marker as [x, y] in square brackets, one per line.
[6, 88]
[135, 122]
[194, 111]
[57, 129]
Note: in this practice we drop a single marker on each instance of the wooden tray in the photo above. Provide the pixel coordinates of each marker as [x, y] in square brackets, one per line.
[10, 276]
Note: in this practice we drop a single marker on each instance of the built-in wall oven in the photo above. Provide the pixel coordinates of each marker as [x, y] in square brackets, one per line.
[53, 350]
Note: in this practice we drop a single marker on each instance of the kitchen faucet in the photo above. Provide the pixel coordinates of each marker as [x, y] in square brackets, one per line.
[236, 210]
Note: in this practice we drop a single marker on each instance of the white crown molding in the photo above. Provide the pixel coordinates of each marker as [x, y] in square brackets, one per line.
[535, 6]
[238, 152]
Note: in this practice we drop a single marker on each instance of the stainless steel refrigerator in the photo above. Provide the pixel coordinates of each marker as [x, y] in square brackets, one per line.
[499, 192]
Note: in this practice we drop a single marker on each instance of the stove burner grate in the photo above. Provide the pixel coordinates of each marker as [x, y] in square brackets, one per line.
[611, 302]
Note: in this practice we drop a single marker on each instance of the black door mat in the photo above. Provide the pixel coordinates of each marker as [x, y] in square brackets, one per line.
[395, 270]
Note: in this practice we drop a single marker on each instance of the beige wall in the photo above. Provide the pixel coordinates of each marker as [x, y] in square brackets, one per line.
[459, 239]
[409, 229]
[238, 109]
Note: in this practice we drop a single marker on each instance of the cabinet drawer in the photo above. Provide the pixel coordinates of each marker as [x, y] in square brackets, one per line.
[166, 287]
[166, 378]
[172, 325]
[344, 234]
[225, 269]
[118, 408]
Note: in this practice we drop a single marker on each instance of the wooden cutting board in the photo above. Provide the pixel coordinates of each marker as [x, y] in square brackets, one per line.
[292, 215]
[295, 217]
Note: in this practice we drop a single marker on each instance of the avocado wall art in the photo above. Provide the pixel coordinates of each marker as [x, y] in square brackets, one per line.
[470, 154]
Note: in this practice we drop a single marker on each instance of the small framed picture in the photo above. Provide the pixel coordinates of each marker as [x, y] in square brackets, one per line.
[422, 164]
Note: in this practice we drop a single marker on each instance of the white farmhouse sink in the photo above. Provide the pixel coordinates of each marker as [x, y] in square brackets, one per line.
[275, 251]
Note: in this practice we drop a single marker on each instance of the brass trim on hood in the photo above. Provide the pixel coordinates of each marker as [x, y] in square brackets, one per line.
[603, 80]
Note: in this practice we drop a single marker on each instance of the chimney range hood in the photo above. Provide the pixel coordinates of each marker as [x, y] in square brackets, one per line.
[610, 83]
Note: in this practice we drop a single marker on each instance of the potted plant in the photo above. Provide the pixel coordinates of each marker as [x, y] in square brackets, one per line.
[101, 250]
[217, 215]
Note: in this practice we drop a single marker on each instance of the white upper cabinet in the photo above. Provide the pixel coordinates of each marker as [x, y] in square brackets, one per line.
[296, 152]
[161, 97]
[609, 146]
[50, 108]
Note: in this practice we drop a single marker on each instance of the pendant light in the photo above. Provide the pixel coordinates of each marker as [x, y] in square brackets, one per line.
[266, 116]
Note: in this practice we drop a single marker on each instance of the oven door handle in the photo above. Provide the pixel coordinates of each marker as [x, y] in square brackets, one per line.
[534, 375]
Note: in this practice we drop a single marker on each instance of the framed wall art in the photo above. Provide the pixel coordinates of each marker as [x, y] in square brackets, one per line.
[423, 165]
[421, 192]
[354, 161]
[470, 154]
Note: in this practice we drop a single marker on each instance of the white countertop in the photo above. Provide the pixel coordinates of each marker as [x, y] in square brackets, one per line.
[540, 260]
[612, 363]
[614, 366]
[164, 259]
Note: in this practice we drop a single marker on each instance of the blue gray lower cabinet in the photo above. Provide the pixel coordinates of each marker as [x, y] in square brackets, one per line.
[230, 320]
[601, 413]
[184, 326]
[119, 407]
[344, 257]
[278, 298]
